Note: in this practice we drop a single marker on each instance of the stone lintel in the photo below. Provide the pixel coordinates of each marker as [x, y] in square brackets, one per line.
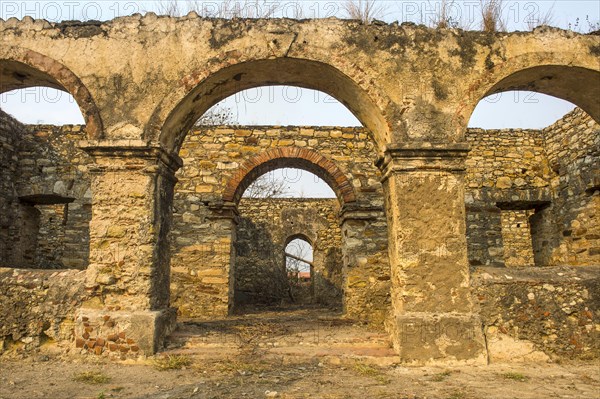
[129, 155]
[521, 205]
[426, 338]
[528, 198]
[224, 210]
[424, 157]
[45, 199]
[353, 212]
[482, 208]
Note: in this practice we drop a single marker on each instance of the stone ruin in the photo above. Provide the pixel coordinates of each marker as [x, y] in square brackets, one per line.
[463, 244]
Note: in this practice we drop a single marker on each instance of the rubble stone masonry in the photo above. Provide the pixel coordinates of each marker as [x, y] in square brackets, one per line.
[423, 200]
[216, 247]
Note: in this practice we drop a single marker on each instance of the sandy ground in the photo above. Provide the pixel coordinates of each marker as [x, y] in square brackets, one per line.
[243, 379]
[275, 355]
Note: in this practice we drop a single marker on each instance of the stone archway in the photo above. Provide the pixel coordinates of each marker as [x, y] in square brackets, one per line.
[574, 82]
[27, 193]
[579, 85]
[26, 68]
[260, 227]
[566, 77]
[298, 72]
[222, 161]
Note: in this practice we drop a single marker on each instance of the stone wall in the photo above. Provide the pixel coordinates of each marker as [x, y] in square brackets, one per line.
[47, 192]
[38, 305]
[54, 178]
[516, 238]
[506, 169]
[204, 226]
[10, 131]
[529, 313]
[266, 226]
[573, 237]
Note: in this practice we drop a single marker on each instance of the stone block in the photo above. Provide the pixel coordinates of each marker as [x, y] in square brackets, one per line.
[146, 330]
[424, 338]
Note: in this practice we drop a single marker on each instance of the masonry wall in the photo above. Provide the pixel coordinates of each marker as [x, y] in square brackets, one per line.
[516, 237]
[573, 149]
[507, 170]
[38, 305]
[265, 227]
[45, 196]
[553, 174]
[539, 313]
[203, 232]
[10, 130]
[54, 178]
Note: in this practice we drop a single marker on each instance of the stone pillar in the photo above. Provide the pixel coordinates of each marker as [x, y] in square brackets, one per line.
[366, 282]
[425, 202]
[224, 221]
[128, 275]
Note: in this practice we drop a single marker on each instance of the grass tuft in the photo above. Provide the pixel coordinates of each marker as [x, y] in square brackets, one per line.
[370, 371]
[515, 376]
[92, 377]
[171, 362]
[439, 377]
[491, 16]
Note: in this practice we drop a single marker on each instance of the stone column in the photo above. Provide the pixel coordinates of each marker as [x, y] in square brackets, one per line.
[224, 218]
[425, 203]
[366, 283]
[128, 275]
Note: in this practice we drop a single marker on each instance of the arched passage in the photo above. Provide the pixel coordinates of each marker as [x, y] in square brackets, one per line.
[279, 71]
[299, 267]
[294, 157]
[543, 177]
[263, 233]
[299, 236]
[45, 191]
[26, 68]
[581, 86]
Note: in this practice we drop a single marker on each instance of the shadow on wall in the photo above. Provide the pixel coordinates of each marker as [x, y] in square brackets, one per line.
[260, 274]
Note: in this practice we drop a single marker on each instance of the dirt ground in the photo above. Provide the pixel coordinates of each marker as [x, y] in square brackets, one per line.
[297, 354]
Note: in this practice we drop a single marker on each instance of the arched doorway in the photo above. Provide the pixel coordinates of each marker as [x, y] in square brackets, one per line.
[45, 191]
[226, 173]
[537, 207]
[300, 269]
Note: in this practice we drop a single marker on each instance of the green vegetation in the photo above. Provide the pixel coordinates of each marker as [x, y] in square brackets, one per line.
[171, 362]
[92, 377]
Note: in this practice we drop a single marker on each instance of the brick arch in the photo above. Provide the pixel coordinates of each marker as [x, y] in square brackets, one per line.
[293, 157]
[22, 68]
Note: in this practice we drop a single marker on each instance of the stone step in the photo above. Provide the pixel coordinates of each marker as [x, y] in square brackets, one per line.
[292, 335]
[338, 345]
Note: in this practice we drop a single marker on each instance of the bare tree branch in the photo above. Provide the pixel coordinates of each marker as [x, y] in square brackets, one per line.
[267, 186]
[216, 116]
